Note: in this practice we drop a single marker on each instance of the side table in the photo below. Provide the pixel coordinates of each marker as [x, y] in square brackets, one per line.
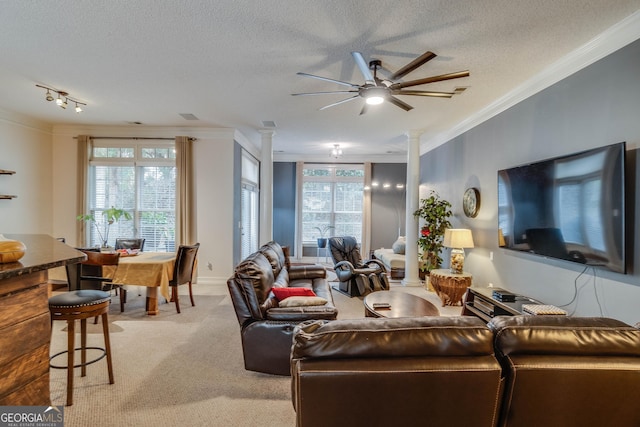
[449, 286]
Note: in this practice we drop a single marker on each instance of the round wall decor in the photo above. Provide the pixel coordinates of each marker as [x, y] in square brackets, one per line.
[471, 202]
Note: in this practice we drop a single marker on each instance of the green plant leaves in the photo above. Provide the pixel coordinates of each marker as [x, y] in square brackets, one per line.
[435, 212]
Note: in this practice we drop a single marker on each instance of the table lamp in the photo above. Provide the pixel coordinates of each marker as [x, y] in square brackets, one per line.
[457, 239]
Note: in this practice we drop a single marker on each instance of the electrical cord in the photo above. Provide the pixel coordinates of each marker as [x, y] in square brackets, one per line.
[595, 291]
[575, 289]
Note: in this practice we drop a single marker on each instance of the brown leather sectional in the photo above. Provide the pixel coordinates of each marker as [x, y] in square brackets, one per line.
[459, 371]
[265, 327]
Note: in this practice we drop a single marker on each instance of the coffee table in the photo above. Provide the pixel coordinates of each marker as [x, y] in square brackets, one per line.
[401, 305]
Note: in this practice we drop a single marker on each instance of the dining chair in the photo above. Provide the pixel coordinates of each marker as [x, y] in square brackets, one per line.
[122, 243]
[183, 271]
[93, 275]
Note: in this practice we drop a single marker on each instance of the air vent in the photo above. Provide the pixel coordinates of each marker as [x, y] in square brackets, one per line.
[269, 123]
[189, 116]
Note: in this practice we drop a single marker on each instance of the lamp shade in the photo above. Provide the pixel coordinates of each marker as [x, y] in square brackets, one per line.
[457, 238]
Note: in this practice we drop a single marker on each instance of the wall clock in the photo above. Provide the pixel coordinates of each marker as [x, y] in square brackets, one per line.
[471, 202]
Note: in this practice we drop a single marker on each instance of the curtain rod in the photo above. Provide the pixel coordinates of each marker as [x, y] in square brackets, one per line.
[133, 137]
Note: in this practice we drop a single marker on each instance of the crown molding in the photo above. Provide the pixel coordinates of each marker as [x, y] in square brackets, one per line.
[148, 131]
[347, 159]
[25, 122]
[609, 41]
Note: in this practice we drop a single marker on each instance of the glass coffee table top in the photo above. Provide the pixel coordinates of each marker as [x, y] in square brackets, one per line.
[400, 304]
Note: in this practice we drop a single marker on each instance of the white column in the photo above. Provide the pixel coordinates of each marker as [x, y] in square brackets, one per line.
[411, 277]
[266, 187]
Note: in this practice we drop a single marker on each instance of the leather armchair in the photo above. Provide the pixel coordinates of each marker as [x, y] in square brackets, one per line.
[357, 277]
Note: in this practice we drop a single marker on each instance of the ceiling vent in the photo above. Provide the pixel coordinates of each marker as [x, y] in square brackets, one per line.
[189, 116]
[268, 123]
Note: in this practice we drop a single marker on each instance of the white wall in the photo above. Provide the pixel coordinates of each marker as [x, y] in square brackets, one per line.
[596, 106]
[213, 152]
[25, 147]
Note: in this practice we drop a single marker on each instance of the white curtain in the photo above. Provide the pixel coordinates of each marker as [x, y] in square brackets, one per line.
[185, 192]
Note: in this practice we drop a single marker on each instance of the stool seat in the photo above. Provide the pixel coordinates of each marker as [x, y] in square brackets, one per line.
[79, 298]
[80, 305]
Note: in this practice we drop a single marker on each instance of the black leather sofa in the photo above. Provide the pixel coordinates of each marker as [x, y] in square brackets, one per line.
[266, 328]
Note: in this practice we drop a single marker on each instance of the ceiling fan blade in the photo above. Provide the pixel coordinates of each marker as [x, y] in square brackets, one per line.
[424, 93]
[326, 79]
[323, 93]
[418, 62]
[364, 68]
[432, 79]
[340, 102]
[398, 103]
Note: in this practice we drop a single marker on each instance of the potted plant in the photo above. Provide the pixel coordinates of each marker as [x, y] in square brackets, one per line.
[435, 212]
[110, 216]
[322, 240]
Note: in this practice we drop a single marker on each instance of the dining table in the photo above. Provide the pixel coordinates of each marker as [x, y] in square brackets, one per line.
[152, 270]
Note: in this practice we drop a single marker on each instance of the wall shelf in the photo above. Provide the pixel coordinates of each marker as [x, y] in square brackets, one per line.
[6, 196]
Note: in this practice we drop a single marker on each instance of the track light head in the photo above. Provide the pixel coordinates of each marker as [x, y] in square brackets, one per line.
[59, 101]
[78, 109]
[49, 96]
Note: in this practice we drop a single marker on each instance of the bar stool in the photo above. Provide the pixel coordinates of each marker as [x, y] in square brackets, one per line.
[81, 305]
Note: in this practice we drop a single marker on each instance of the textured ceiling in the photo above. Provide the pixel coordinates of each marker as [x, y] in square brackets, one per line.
[234, 63]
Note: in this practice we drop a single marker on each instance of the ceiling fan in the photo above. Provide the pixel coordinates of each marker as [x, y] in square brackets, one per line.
[376, 90]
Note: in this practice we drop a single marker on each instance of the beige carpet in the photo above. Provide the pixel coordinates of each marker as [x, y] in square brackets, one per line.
[182, 369]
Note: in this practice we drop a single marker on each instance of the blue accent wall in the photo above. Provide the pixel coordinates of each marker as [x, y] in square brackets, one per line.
[284, 204]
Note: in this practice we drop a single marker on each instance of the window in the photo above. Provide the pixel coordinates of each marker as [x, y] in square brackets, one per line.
[332, 195]
[139, 177]
[249, 205]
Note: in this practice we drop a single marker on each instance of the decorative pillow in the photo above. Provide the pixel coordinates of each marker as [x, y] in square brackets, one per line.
[399, 245]
[282, 293]
[302, 301]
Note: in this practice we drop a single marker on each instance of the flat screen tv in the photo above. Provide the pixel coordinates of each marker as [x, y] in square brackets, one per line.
[570, 208]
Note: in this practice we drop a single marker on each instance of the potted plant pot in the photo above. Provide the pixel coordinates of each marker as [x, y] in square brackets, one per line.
[322, 242]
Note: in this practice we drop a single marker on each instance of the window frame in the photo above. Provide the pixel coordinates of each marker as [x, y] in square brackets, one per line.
[137, 162]
[334, 180]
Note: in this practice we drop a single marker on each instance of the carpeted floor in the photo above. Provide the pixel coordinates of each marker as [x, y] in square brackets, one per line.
[182, 369]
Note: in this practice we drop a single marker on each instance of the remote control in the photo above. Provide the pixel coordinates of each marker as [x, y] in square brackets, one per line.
[381, 305]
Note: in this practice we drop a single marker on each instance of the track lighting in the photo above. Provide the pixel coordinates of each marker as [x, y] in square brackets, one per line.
[63, 98]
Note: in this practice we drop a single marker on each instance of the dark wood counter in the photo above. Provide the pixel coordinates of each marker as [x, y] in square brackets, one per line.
[25, 328]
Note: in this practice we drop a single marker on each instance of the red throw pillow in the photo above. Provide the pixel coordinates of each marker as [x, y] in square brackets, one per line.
[282, 293]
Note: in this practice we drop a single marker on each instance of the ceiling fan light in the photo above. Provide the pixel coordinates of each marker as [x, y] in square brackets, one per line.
[336, 152]
[375, 100]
